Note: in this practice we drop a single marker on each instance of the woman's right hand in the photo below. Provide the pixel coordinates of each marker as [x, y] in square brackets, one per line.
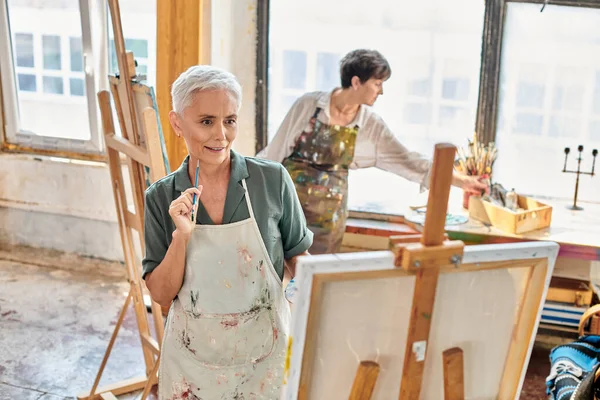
[180, 210]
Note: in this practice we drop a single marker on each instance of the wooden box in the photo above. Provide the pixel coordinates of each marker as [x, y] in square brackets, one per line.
[570, 291]
[535, 215]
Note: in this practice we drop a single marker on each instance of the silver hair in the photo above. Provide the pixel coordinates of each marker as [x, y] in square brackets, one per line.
[199, 78]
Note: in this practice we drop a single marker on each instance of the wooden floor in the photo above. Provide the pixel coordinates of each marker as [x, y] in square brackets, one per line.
[55, 325]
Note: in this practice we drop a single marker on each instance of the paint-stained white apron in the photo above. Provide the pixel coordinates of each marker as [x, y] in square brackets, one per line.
[227, 330]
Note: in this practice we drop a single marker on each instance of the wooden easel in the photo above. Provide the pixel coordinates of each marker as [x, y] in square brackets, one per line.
[140, 147]
[423, 254]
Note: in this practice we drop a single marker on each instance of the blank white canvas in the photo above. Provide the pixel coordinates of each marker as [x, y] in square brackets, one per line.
[368, 320]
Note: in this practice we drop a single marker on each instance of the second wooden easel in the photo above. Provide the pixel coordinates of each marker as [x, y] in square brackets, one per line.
[423, 254]
[140, 147]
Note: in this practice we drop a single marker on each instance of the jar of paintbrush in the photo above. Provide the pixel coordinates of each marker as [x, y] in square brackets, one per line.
[477, 160]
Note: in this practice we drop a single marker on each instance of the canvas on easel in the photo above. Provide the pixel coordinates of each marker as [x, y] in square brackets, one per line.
[428, 320]
[140, 150]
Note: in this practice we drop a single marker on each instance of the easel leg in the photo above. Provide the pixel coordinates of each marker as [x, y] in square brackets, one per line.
[152, 380]
[111, 343]
[454, 380]
[126, 386]
[364, 381]
[418, 334]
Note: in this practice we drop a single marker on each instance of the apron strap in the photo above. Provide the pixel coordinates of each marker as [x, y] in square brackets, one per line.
[247, 196]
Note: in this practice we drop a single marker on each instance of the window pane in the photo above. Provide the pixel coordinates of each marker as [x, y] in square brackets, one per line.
[328, 76]
[142, 69]
[548, 99]
[569, 89]
[294, 67]
[53, 84]
[27, 82]
[51, 48]
[138, 46]
[454, 117]
[420, 87]
[531, 90]
[433, 48]
[595, 130]
[596, 109]
[416, 113]
[75, 46]
[455, 89]
[529, 124]
[113, 63]
[76, 86]
[419, 78]
[24, 49]
[564, 126]
[42, 108]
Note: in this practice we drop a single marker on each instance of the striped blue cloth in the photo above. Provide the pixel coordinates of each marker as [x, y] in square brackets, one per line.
[573, 367]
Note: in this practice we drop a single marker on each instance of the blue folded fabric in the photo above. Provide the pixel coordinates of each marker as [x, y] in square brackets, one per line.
[573, 367]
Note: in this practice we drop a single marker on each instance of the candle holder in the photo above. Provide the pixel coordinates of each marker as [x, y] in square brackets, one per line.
[578, 172]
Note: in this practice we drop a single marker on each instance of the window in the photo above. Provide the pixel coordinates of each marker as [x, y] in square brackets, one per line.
[434, 49]
[550, 99]
[48, 109]
[328, 75]
[50, 82]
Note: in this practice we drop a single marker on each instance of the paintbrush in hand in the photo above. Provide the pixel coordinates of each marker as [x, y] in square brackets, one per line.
[196, 186]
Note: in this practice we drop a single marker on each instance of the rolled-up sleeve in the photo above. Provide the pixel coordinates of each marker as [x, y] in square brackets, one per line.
[154, 234]
[295, 235]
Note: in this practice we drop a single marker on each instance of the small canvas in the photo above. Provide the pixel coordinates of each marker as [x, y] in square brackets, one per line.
[356, 307]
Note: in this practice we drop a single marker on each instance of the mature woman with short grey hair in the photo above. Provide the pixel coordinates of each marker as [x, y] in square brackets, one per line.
[218, 233]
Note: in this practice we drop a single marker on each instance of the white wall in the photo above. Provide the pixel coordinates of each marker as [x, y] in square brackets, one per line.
[68, 205]
[58, 204]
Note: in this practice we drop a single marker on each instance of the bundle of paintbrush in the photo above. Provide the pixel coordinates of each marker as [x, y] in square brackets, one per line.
[478, 160]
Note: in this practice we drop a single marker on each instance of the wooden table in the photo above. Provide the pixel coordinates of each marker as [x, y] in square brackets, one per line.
[577, 232]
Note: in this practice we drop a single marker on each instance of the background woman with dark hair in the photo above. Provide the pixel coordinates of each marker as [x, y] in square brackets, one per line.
[326, 133]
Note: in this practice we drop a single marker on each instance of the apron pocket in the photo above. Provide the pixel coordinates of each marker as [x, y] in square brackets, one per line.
[225, 340]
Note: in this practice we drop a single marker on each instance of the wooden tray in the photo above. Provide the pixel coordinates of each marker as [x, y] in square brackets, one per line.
[536, 215]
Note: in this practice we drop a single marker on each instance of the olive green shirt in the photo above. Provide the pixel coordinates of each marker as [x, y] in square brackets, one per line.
[277, 209]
